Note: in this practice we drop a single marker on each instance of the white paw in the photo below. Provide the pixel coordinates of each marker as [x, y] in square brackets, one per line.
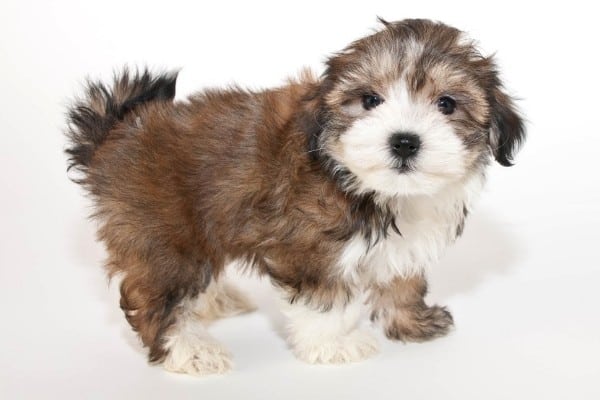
[355, 346]
[199, 357]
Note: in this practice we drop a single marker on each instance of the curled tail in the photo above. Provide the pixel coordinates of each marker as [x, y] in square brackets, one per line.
[91, 119]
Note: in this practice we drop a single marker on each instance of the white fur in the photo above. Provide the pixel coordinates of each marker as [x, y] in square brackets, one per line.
[221, 300]
[364, 149]
[428, 201]
[328, 337]
[427, 225]
[191, 349]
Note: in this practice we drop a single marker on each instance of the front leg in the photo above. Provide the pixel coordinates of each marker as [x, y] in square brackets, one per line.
[401, 309]
[328, 336]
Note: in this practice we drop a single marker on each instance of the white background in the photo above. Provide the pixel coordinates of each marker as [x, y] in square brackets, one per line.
[523, 283]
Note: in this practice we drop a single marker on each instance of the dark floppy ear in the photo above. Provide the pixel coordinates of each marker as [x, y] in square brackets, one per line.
[311, 120]
[507, 129]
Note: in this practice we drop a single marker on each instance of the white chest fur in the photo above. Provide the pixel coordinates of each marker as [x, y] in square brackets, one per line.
[427, 225]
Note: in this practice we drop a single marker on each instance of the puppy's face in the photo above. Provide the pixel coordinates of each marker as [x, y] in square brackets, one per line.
[411, 109]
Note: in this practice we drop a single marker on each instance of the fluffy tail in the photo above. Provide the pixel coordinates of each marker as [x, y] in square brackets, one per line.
[91, 119]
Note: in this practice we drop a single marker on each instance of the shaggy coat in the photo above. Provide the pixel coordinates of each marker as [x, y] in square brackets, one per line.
[182, 188]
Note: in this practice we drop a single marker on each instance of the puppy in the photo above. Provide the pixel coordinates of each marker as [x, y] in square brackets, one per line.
[342, 189]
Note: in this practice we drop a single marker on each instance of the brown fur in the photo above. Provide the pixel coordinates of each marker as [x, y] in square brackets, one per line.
[401, 309]
[183, 188]
[175, 208]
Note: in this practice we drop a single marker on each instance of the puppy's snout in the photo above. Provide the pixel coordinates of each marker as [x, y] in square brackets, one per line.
[405, 144]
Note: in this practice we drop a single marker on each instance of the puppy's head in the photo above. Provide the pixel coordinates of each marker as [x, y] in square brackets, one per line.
[409, 110]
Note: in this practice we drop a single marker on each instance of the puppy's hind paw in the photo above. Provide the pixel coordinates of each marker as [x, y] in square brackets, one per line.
[205, 357]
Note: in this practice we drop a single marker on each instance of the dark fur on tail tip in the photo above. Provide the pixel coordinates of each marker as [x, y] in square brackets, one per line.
[91, 119]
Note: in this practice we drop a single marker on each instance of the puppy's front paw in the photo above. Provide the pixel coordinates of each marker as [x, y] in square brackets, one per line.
[419, 324]
[202, 357]
[354, 346]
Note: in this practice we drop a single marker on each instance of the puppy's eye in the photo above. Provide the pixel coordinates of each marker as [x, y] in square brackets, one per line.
[446, 105]
[371, 101]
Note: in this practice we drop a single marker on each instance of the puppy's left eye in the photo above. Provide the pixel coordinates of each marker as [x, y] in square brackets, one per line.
[370, 101]
[446, 105]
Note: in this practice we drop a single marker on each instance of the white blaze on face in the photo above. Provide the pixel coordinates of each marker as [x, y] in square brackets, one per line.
[365, 150]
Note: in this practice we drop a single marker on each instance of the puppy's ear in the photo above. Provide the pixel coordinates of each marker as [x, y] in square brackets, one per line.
[507, 129]
[311, 120]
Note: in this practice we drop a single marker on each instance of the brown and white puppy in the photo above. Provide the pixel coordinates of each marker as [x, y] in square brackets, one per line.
[341, 189]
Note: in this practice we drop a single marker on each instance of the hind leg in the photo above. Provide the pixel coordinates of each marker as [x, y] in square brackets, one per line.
[167, 322]
[190, 348]
[220, 300]
[169, 301]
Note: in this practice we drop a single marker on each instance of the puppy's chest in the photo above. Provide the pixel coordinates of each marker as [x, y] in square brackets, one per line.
[426, 227]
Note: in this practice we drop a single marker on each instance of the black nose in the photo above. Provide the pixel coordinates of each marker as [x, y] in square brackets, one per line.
[405, 144]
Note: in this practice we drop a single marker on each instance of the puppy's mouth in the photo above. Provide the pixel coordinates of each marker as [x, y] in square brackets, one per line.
[403, 166]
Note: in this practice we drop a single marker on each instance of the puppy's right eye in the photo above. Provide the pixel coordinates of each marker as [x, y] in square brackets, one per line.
[370, 101]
